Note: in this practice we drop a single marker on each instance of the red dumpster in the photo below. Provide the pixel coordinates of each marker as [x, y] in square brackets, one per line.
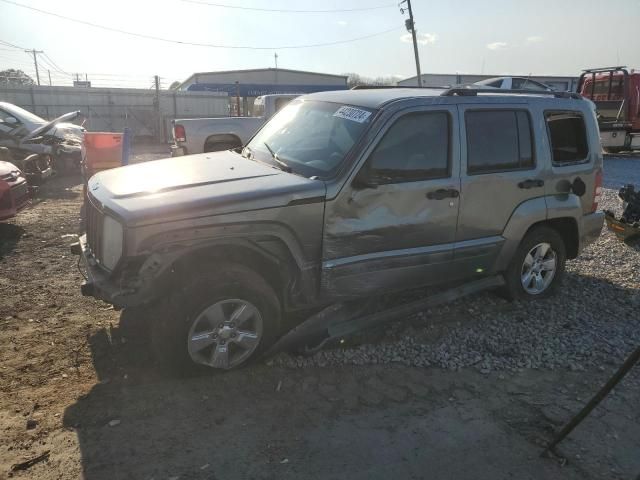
[101, 151]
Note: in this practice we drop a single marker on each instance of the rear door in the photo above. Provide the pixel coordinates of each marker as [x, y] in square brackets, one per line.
[499, 171]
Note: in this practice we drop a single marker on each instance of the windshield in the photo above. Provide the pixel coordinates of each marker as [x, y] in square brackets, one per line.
[312, 138]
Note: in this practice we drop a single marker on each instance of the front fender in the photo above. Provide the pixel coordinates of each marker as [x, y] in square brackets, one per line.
[290, 236]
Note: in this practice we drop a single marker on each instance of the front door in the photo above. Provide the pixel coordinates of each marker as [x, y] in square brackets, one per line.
[393, 226]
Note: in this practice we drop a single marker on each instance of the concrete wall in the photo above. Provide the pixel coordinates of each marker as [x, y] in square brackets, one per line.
[113, 109]
[269, 76]
[449, 79]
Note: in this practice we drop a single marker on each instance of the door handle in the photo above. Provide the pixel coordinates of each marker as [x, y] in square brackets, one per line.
[442, 193]
[531, 183]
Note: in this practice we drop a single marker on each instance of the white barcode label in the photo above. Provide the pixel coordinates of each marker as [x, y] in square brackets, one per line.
[351, 113]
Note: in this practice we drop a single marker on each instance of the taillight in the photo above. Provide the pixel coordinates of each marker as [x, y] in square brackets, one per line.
[179, 133]
[597, 191]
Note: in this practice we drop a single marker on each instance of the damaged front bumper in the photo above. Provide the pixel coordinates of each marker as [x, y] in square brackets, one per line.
[117, 290]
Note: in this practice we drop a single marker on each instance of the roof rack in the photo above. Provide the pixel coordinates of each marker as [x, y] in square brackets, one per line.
[375, 87]
[604, 69]
[472, 92]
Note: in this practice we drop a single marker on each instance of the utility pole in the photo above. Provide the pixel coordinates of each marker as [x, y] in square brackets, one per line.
[35, 61]
[411, 27]
[275, 55]
[49, 72]
[237, 98]
[156, 105]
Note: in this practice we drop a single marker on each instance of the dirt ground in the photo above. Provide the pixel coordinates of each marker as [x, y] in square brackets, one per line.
[73, 383]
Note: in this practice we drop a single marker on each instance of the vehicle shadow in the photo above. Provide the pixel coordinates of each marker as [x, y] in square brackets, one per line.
[268, 422]
[10, 235]
[137, 422]
[66, 186]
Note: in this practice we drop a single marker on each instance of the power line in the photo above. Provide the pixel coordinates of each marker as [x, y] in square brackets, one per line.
[11, 45]
[286, 10]
[54, 64]
[197, 44]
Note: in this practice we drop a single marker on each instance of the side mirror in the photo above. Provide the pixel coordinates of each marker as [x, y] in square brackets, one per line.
[11, 120]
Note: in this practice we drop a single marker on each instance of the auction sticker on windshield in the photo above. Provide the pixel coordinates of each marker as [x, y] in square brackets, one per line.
[351, 113]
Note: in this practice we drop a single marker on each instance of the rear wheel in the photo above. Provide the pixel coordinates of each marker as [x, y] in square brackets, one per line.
[221, 320]
[537, 267]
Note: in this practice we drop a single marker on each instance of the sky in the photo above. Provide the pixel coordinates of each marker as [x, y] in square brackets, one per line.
[544, 37]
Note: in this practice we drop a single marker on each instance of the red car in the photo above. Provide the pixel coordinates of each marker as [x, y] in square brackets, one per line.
[14, 192]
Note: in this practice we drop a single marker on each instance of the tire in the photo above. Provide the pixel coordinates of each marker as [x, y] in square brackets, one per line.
[221, 294]
[220, 146]
[534, 243]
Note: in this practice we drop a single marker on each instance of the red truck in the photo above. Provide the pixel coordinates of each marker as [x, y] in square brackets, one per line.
[616, 93]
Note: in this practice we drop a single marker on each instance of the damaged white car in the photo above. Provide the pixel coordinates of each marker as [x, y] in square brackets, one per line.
[55, 144]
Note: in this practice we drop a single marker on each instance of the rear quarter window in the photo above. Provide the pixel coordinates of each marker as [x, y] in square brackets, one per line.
[567, 137]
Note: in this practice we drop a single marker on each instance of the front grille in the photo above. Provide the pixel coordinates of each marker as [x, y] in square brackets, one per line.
[94, 230]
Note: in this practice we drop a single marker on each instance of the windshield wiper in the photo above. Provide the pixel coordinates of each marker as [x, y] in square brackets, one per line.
[283, 166]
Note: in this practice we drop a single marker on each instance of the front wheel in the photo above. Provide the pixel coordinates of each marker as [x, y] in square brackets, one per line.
[537, 267]
[217, 321]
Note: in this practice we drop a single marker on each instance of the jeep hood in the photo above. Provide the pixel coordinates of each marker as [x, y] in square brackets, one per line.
[195, 186]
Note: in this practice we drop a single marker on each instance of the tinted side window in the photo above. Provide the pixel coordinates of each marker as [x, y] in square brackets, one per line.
[498, 140]
[568, 137]
[416, 147]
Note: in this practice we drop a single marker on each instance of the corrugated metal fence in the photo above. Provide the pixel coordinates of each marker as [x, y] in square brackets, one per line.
[147, 112]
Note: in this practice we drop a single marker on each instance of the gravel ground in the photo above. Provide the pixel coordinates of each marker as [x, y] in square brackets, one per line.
[593, 321]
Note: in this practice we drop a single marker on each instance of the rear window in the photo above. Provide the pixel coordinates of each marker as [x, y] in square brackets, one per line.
[258, 107]
[601, 87]
[498, 140]
[568, 137]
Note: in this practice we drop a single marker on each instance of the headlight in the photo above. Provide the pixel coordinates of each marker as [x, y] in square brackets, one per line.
[112, 234]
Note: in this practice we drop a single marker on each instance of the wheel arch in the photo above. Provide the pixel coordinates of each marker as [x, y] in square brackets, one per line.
[563, 216]
[222, 138]
[269, 257]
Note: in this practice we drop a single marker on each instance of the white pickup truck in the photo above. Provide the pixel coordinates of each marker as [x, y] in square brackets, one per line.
[198, 135]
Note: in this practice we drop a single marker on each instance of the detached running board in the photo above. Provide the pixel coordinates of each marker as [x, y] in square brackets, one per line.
[343, 319]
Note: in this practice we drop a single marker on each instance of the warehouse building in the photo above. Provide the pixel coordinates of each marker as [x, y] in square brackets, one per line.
[559, 83]
[249, 84]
